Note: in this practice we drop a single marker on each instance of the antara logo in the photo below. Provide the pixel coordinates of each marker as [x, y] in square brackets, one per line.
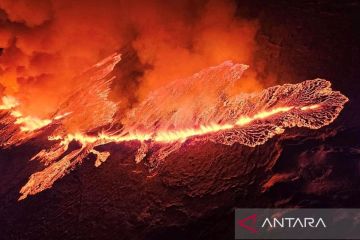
[290, 222]
[286, 222]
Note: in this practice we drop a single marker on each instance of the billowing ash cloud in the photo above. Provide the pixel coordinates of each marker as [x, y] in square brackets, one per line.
[47, 42]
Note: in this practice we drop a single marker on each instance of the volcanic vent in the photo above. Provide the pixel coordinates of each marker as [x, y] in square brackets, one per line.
[198, 108]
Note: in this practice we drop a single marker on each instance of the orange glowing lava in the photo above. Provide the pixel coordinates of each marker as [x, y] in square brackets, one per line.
[195, 109]
[26, 123]
[176, 135]
[8, 103]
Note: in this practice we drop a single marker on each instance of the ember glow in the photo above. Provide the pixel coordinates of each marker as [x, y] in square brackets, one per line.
[162, 124]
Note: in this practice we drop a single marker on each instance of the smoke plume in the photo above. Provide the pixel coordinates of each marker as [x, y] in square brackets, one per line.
[46, 43]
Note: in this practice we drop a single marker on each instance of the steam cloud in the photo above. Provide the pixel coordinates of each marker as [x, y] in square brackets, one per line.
[45, 43]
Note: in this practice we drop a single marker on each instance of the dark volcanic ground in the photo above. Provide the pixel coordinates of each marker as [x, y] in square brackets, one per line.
[193, 195]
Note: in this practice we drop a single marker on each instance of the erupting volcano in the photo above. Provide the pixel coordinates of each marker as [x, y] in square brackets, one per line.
[197, 108]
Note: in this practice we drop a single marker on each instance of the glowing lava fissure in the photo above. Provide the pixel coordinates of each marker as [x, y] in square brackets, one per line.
[197, 108]
[175, 135]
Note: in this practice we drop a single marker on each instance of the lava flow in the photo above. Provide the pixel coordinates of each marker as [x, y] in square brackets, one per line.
[176, 135]
[193, 109]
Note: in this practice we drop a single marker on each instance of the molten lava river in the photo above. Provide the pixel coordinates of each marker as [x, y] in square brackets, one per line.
[189, 110]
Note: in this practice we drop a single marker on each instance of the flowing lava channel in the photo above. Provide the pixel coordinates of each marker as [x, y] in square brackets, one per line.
[163, 122]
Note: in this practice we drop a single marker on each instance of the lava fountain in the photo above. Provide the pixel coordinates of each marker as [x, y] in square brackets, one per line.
[197, 108]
